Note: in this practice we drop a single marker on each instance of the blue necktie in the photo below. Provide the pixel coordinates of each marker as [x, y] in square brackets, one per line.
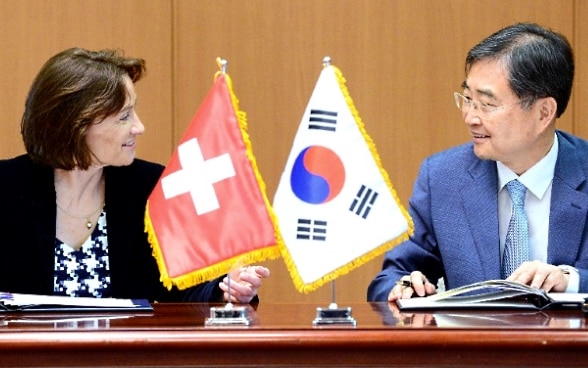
[516, 247]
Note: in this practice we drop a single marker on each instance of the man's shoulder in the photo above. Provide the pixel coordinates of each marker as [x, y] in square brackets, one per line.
[463, 153]
[455, 163]
[568, 140]
[571, 159]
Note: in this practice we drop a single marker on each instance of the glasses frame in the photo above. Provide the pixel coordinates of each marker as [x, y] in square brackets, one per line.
[464, 104]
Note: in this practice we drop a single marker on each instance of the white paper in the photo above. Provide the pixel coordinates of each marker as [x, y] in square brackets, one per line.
[34, 299]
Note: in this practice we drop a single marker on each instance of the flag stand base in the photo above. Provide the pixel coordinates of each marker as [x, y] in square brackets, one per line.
[228, 316]
[334, 316]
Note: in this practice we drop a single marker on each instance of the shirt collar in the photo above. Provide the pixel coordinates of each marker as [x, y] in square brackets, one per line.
[537, 178]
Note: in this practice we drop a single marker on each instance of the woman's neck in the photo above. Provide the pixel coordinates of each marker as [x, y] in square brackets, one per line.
[75, 187]
[79, 200]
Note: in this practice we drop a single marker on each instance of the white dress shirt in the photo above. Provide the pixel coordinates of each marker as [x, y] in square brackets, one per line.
[538, 181]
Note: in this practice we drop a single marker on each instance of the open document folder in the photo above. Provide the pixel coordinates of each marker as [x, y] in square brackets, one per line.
[495, 294]
[15, 302]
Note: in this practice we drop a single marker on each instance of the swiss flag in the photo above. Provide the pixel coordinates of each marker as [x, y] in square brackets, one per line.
[209, 210]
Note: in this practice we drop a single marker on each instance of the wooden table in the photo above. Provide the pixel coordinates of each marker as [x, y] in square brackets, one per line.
[283, 335]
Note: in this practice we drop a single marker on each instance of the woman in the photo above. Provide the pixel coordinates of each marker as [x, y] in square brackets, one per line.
[72, 208]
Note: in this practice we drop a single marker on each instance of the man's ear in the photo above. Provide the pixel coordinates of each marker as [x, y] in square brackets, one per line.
[547, 110]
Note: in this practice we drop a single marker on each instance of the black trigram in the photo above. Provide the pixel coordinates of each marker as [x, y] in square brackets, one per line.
[311, 230]
[322, 120]
[363, 202]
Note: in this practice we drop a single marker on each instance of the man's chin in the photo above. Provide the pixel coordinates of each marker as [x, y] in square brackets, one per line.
[482, 154]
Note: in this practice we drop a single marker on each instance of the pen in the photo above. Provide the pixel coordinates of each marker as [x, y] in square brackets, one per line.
[404, 283]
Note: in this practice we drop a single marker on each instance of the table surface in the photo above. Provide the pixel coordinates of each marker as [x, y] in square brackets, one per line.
[284, 335]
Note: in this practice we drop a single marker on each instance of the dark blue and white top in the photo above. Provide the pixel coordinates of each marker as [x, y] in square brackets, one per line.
[85, 271]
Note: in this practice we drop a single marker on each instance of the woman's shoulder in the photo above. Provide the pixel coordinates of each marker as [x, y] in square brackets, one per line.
[139, 168]
[21, 169]
[146, 166]
[18, 163]
[139, 174]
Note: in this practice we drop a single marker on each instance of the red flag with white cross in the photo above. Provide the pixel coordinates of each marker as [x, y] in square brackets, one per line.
[209, 211]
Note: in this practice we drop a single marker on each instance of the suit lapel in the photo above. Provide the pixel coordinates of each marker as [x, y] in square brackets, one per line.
[480, 200]
[569, 206]
[43, 216]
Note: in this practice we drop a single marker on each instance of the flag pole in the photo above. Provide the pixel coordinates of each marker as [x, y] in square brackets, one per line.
[229, 315]
[333, 302]
[333, 315]
[222, 63]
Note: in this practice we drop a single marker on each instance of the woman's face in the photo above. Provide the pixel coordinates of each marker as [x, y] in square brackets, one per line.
[112, 141]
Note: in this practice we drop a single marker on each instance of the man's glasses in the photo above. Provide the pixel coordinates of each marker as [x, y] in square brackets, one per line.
[484, 110]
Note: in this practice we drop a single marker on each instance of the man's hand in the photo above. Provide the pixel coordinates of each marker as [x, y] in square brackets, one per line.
[415, 283]
[541, 275]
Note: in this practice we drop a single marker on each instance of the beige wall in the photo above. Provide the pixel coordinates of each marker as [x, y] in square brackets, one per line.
[402, 60]
[31, 31]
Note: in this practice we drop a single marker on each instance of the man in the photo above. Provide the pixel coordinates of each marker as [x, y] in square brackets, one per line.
[518, 82]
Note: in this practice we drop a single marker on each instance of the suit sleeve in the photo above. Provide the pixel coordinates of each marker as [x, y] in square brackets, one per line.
[419, 253]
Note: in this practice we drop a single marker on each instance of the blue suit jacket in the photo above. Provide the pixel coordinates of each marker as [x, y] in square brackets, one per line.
[454, 207]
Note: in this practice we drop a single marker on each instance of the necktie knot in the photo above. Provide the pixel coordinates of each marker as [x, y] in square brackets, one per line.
[517, 191]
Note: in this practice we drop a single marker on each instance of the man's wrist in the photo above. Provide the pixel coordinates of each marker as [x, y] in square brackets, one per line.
[573, 278]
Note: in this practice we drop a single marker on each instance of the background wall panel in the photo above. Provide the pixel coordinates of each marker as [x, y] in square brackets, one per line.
[402, 60]
[580, 93]
[33, 31]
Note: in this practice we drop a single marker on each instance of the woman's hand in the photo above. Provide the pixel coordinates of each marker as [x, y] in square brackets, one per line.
[244, 283]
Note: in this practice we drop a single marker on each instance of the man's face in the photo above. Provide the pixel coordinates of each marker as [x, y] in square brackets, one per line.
[502, 129]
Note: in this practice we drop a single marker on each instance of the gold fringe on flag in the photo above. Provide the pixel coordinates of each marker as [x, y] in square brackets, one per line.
[205, 274]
